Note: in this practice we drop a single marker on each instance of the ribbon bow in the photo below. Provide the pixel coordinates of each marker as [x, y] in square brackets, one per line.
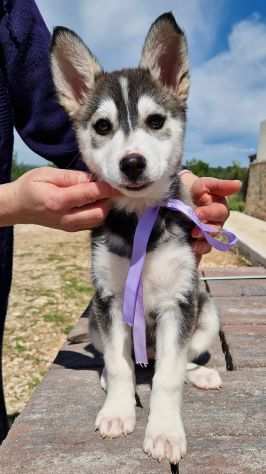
[133, 309]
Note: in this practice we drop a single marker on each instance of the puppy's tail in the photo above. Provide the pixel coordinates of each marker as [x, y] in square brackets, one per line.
[207, 328]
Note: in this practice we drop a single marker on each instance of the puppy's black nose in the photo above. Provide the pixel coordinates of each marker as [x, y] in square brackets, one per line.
[132, 166]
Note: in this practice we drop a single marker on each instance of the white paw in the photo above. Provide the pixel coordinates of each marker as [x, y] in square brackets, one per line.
[204, 378]
[164, 444]
[114, 420]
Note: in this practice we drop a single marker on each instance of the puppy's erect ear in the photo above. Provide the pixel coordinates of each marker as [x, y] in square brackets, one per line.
[165, 55]
[73, 69]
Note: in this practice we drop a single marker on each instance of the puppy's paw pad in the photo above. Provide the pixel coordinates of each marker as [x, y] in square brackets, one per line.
[114, 426]
[205, 378]
[172, 447]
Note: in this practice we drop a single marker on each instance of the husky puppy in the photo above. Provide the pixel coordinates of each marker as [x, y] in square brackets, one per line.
[130, 129]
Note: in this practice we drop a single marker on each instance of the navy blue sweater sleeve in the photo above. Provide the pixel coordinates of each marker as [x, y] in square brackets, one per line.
[40, 121]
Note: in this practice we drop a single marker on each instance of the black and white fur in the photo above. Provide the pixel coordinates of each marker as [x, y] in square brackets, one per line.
[130, 128]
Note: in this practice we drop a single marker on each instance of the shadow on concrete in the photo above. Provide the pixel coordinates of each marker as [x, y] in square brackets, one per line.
[79, 361]
[93, 360]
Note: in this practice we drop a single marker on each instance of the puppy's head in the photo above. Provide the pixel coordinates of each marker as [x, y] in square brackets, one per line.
[129, 123]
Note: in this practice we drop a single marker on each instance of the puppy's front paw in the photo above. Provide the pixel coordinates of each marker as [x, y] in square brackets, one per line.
[204, 378]
[114, 420]
[165, 443]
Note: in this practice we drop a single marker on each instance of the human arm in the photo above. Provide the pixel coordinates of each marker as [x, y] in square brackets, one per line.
[39, 120]
[43, 126]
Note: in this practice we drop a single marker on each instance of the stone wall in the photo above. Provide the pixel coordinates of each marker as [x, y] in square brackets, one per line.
[256, 193]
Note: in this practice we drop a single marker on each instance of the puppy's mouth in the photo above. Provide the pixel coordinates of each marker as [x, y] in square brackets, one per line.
[137, 187]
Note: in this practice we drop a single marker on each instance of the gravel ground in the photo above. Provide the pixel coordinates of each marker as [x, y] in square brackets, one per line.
[50, 290]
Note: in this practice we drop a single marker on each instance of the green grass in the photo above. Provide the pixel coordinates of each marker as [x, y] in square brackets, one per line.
[236, 203]
[74, 286]
[68, 328]
[19, 346]
[55, 317]
[56, 258]
[34, 382]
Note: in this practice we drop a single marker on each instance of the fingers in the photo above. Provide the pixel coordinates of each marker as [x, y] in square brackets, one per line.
[61, 178]
[204, 190]
[82, 194]
[222, 187]
[216, 213]
[209, 195]
[201, 247]
[85, 218]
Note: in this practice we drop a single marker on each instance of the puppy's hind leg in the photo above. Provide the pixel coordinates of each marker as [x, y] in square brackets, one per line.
[117, 416]
[206, 332]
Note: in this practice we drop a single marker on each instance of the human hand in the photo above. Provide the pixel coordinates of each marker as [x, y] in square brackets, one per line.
[209, 195]
[62, 199]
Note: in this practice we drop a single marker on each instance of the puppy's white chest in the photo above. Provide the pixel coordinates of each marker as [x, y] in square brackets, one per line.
[167, 273]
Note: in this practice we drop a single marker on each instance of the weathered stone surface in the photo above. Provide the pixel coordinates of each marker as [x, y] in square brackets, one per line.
[226, 429]
[261, 151]
[248, 350]
[239, 310]
[226, 455]
[242, 308]
[256, 198]
[237, 288]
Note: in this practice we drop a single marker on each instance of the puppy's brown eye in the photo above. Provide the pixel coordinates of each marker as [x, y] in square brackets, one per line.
[155, 121]
[102, 126]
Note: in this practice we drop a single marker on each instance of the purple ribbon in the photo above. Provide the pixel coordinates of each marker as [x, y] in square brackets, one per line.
[133, 308]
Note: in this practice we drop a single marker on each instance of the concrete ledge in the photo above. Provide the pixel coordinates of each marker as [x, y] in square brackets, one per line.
[251, 233]
[251, 254]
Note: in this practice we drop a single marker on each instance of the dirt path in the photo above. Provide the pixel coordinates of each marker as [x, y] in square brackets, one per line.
[50, 290]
